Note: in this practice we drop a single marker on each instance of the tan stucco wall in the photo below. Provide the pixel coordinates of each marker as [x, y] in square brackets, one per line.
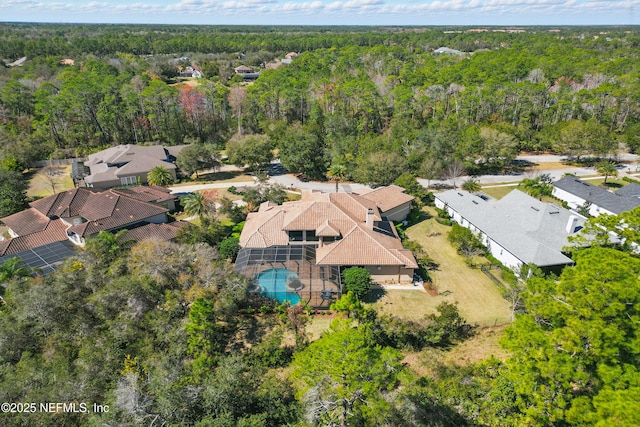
[398, 214]
[390, 274]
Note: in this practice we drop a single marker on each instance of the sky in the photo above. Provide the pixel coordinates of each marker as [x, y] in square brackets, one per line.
[326, 12]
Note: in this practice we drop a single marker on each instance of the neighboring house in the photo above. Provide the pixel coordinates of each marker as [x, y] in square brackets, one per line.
[191, 71]
[289, 57]
[18, 63]
[579, 194]
[447, 51]
[342, 229]
[517, 229]
[125, 165]
[248, 74]
[80, 213]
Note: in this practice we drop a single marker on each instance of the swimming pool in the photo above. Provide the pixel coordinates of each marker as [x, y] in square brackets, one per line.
[273, 283]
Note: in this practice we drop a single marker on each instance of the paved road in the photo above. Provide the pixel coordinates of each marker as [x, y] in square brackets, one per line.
[628, 167]
[289, 181]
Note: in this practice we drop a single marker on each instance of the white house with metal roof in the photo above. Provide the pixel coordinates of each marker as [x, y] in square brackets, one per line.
[578, 194]
[517, 229]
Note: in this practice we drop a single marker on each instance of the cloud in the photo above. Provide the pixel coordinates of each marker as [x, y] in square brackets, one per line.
[324, 11]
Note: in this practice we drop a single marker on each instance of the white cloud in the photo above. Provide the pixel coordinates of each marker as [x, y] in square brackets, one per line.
[530, 12]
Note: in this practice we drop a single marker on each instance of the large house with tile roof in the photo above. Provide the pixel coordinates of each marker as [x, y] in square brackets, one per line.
[580, 194]
[125, 165]
[80, 213]
[517, 229]
[344, 229]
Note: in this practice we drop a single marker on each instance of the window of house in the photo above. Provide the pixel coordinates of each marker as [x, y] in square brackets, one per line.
[128, 180]
[296, 236]
[311, 236]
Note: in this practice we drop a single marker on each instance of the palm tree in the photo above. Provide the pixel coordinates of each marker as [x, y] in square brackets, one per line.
[194, 204]
[337, 172]
[159, 176]
[12, 268]
[471, 185]
[536, 187]
[607, 169]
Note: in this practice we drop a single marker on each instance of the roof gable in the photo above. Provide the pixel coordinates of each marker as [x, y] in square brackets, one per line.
[387, 198]
[613, 202]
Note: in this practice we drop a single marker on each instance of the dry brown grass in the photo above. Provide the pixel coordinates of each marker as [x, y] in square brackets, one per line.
[45, 180]
[484, 344]
[409, 304]
[479, 299]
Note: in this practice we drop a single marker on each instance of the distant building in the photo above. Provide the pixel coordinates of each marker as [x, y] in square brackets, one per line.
[580, 194]
[248, 74]
[126, 165]
[447, 51]
[18, 63]
[191, 72]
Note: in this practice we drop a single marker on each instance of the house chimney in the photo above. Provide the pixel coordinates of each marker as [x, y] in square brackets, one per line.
[571, 224]
[370, 218]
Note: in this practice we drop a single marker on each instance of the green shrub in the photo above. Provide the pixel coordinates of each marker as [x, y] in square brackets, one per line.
[229, 248]
[465, 241]
[357, 280]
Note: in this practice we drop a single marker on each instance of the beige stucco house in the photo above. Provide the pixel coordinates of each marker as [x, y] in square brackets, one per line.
[343, 229]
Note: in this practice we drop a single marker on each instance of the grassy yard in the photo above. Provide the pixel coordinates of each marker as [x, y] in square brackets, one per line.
[479, 299]
[45, 180]
[498, 192]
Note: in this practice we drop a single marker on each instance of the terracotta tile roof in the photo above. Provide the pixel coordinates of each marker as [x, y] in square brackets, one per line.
[361, 247]
[160, 232]
[327, 229]
[26, 222]
[109, 211]
[143, 193]
[330, 215]
[64, 205]
[264, 230]
[55, 231]
[387, 198]
[355, 206]
[315, 214]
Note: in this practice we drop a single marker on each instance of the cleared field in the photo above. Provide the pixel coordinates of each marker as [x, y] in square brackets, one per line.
[479, 299]
[50, 180]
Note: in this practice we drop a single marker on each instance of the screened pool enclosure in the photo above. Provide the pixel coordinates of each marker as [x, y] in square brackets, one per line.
[290, 273]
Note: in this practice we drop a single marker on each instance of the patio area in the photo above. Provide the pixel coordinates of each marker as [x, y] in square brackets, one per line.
[290, 273]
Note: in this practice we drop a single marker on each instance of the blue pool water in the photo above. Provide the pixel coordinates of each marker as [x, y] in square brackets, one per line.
[273, 283]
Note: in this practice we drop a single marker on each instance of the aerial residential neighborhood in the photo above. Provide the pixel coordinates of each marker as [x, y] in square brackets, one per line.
[319, 225]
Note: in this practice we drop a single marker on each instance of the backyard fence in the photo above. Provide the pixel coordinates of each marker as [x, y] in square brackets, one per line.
[56, 162]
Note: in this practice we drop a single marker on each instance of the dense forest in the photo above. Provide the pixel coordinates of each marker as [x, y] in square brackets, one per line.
[377, 101]
[167, 333]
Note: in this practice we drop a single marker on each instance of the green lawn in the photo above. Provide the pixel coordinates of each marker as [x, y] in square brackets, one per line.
[479, 299]
[498, 192]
